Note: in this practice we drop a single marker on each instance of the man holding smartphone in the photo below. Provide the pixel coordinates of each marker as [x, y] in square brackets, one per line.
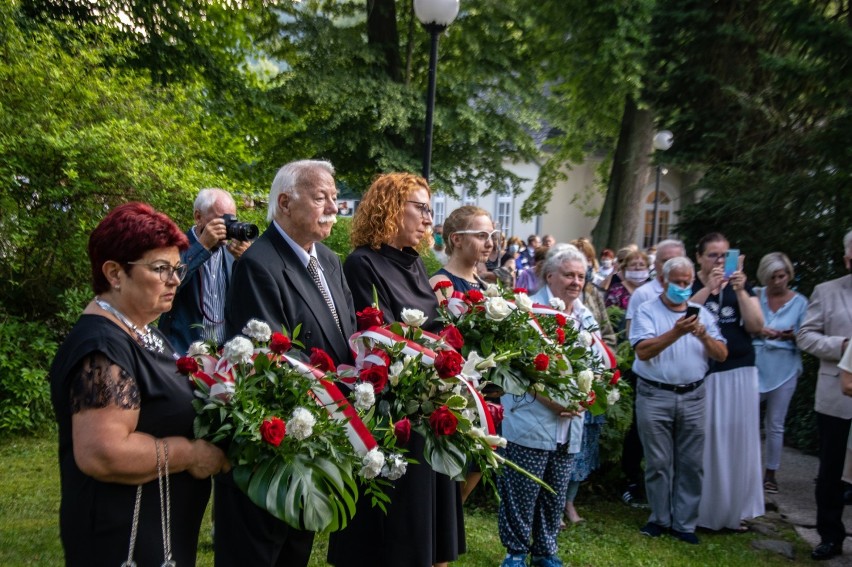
[672, 351]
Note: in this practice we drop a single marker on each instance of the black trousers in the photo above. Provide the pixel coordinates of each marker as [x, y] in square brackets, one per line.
[833, 435]
[632, 451]
[248, 536]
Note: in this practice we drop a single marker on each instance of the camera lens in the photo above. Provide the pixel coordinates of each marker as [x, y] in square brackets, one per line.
[239, 230]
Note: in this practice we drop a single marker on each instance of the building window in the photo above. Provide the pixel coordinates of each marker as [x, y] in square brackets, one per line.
[664, 216]
[504, 215]
[469, 199]
[439, 210]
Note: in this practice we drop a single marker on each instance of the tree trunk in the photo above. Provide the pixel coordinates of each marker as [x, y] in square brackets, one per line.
[619, 222]
[382, 33]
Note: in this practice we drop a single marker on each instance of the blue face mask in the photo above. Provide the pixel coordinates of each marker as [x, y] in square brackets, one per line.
[439, 239]
[677, 294]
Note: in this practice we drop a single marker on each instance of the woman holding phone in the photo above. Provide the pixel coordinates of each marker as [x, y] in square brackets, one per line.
[732, 488]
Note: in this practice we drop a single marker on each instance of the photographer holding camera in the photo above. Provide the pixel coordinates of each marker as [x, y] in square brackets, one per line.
[198, 310]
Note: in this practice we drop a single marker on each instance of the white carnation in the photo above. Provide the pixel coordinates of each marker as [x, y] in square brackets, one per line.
[198, 348]
[365, 396]
[413, 317]
[585, 338]
[491, 290]
[613, 396]
[373, 463]
[497, 308]
[238, 350]
[557, 304]
[257, 330]
[584, 380]
[395, 467]
[523, 301]
[301, 424]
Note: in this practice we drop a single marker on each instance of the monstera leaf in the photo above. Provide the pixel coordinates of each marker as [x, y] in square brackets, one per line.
[444, 458]
[312, 494]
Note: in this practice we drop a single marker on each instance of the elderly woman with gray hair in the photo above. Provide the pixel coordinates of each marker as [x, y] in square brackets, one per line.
[778, 359]
[540, 436]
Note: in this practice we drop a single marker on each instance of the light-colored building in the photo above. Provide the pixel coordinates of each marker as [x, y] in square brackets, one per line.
[574, 207]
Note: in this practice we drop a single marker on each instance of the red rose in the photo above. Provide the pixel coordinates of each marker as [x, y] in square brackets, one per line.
[560, 336]
[452, 336]
[443, 284]
[279, 343]
[448, 363]
[520, 290]
[616, 376]
[541, 362]
[273, 431]
[475, 296]
[322, 361]
[443, 421]
[561, 320]
[496, 411]
[187, 365]
[402, 430]
[377, 376]
[369, 317]
[590, 401]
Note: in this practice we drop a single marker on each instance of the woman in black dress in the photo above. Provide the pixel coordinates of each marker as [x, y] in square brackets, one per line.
[123, 410]
[424, 524]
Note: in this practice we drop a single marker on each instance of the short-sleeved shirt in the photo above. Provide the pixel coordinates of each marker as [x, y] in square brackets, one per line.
[643, 293]
[726, 307]
[684, 361]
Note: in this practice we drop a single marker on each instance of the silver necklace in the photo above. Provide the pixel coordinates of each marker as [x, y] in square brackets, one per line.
[148, 338]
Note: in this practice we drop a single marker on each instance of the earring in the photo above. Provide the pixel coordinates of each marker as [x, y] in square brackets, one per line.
[117, 287]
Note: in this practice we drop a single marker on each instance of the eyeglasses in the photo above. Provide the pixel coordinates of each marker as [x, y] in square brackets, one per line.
[714, 255]
[425, 210]
[165, 271]
[482, 235]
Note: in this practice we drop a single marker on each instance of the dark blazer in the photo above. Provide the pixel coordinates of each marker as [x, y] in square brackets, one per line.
[271, 284]
[178, 323]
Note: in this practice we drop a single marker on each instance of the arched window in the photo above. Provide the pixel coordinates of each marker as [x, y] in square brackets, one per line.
[664, 218]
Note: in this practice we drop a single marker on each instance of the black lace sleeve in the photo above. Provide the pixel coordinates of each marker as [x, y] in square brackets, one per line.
[97, 382]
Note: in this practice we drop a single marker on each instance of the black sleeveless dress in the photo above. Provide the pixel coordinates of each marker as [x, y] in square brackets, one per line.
[95, 517]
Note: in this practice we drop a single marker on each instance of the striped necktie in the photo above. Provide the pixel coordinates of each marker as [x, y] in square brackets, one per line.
[313, 269]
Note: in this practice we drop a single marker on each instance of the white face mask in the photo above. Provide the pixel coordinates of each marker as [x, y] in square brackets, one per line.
[606, 264]
[636, 276]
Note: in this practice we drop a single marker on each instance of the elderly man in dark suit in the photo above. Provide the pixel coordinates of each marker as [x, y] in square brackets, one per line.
[287, 277]
[198, 311]
[825, 333]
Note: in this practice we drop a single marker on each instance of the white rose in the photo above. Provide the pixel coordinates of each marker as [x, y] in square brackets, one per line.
[584, 380]
[413, 317]
[557, 304]
[237, 350]
[497, 309]
[491, 290]
[257, 330]
[523, 301]
[585, 338]
[613, 396]
[198, 348]
[373, 463]
[301, 424]
[395, 467]
[365, 396]
[394, 370]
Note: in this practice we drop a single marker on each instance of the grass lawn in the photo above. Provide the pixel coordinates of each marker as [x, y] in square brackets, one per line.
[29, 533]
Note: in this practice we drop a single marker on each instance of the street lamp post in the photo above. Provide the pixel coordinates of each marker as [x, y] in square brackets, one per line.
[663, 140]
[435, 15]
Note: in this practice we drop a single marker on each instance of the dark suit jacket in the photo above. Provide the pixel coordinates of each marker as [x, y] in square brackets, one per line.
[271, 284]
[178, 323]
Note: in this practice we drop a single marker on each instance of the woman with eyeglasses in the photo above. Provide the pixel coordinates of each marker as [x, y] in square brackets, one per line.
[424, 524]
[732, 486]
[468, 242]
[122, 408]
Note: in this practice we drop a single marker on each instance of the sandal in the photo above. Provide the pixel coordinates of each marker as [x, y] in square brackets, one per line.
[770, 487]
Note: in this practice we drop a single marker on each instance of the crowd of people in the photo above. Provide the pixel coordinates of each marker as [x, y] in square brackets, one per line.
[709, 349]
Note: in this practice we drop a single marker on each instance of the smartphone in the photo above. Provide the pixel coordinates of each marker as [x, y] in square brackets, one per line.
[692, 310]
[732, 262]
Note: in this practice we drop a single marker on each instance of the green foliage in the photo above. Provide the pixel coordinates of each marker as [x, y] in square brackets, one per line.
[339, 240]
[26, 351]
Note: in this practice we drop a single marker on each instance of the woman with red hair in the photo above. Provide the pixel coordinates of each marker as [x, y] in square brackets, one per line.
[130, 468]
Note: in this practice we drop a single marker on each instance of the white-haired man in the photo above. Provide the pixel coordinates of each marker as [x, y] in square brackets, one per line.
[672, 351]
[198, 311]
[825, 333]
[276, 281]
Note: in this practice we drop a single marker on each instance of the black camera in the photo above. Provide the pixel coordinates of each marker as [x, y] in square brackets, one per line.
[239, 230]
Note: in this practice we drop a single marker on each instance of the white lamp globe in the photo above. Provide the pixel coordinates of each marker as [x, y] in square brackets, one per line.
[663, 140]
[440, 12]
